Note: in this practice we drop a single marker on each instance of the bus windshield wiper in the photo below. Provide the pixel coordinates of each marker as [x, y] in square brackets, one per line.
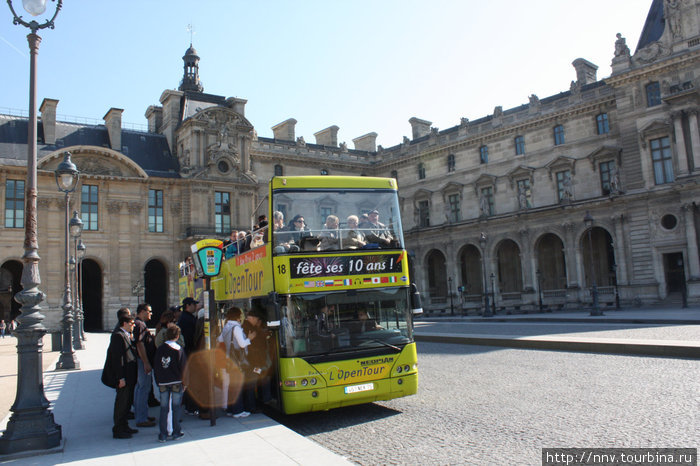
[385, 344]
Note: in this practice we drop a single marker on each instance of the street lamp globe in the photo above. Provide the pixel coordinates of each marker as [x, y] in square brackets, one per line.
[66, 174]
[34, 7]
[81, 250]
[75, 225]
[588, 219]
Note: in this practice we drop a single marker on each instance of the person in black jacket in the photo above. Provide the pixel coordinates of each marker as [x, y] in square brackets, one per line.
[120, 369]
[168, 368]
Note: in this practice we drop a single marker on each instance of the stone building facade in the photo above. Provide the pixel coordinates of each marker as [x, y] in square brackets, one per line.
[496, 204]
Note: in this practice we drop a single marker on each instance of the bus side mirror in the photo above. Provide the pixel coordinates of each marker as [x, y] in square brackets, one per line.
[415, 300]
[273, 310]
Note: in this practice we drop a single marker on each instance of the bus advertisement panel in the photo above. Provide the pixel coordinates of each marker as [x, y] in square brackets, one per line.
[336, 272]
[246, 275]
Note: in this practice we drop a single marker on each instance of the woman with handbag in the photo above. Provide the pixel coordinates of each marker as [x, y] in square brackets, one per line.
[234, 343]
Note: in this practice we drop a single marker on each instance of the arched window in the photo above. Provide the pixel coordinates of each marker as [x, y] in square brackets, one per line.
[278, 170]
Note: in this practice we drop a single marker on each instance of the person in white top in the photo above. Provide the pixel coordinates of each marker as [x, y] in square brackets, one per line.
[236, 344]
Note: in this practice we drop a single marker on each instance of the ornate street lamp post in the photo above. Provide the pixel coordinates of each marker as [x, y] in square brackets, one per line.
[81, 255]
[487, 307]
[67, 179]
[617, 289]
[539, 289]
[493, 294]
[449, 290]
[595, 310]
[31, 426]
[76, 229]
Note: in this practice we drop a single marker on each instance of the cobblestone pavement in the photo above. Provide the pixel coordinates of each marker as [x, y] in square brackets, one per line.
[594, 330]
[483, 406]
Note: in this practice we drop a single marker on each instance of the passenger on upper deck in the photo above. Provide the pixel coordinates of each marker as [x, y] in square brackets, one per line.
[231, 245]
[354, 238]
[281, 240]
[375, 231]
[297, 230]
[330, 234]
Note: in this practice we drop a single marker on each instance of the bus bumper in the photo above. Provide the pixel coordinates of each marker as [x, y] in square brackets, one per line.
[325, 398]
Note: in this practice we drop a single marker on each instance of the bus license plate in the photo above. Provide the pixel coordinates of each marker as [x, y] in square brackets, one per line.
[359, 388]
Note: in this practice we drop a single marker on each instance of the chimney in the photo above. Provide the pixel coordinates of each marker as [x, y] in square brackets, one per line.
[285, 131]
[238, 105]
[420, 127]
[585, 71]
[366, 142]
[328, 136]
[154, 115]
[113, 122]
[48, 120]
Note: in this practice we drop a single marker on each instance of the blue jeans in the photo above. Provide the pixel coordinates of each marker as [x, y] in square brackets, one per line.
[165, 398]
[141, 391]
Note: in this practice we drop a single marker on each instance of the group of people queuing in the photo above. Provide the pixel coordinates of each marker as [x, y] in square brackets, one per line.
[239, 242]
[363, 232]
[139, 361]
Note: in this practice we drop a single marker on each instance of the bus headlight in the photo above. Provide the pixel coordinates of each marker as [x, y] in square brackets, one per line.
[399, 369]
[406, 368]
[304, 382]
[313, 380]
[290, 383]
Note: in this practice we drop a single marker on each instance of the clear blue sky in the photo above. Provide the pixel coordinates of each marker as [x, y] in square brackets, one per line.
[362, 65]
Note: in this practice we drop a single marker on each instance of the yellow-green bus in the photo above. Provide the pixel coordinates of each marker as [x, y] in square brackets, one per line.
[333, 281]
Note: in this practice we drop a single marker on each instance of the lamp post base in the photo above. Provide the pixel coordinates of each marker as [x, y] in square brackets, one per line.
[31, 426]
[67, 362]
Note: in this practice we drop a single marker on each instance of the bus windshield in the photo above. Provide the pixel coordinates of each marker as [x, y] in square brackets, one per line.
[335, 220]
[314, 324]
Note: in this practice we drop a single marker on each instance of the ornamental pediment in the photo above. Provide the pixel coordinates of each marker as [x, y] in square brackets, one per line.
[519, 173]
[560, 163]
[97, 161]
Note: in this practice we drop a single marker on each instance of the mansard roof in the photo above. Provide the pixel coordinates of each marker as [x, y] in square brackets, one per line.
[654, 25]
[149, 151]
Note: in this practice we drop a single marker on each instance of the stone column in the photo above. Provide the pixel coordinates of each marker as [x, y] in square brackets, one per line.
[680, 143]
[570, 256]
[692, 244]
[619, 246]
[694, 136]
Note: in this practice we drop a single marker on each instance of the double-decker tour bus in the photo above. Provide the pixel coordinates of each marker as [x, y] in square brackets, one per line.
[330, 273]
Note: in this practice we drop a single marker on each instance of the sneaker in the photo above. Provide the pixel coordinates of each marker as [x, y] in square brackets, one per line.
[162, 439]
[177, 436]
[229, 414]
[242, 414]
